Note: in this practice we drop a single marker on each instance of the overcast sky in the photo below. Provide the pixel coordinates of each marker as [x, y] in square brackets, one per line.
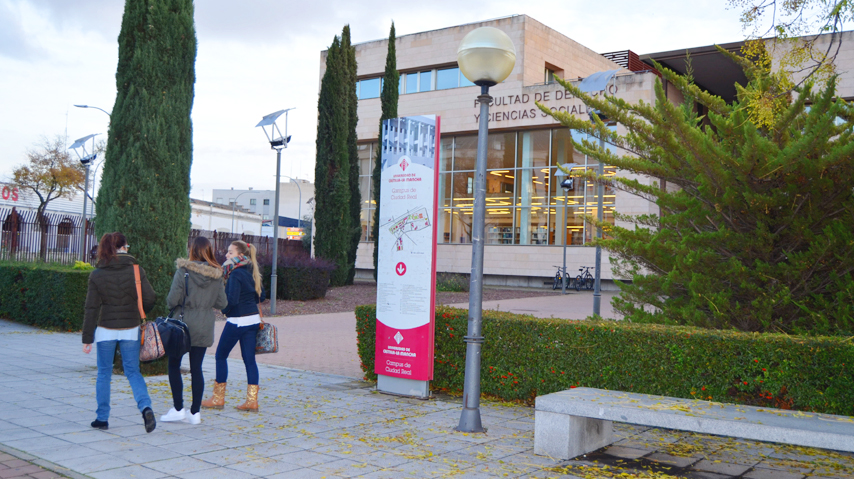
[259, 56]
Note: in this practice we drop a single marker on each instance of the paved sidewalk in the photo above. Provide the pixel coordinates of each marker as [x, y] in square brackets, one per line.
[314, 425]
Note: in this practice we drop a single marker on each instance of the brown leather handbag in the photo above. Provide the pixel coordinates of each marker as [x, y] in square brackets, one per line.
[150, 345]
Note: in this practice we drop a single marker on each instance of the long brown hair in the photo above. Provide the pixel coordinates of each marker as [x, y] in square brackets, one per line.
[109, 245]
[249, 250]
[201, 250]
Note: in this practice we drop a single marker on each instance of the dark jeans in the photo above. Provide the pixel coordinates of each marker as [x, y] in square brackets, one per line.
[231, 334]
[197, 355]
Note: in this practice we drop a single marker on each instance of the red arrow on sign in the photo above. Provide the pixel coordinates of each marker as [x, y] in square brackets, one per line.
[400, 269]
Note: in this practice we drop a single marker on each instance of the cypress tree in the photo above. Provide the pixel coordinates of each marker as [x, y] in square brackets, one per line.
[145, 189]
[332, 168]
[389, 97]
[349, 92]
[756, 224]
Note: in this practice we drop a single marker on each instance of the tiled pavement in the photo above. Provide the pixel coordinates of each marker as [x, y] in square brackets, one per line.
[314, 425]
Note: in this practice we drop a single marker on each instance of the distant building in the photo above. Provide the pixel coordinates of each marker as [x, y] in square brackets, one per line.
[223, 218]
[294, 201]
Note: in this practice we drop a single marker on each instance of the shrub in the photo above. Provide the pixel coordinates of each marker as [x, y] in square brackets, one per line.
[300, 278]
[524, 357]
[452, 282]
[48, 296]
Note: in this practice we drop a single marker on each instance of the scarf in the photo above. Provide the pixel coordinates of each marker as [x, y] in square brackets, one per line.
[235, 262]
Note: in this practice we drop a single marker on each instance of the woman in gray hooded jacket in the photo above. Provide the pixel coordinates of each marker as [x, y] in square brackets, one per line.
[205, 291]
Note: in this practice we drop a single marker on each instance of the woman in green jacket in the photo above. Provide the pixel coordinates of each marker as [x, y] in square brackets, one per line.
[203, 277]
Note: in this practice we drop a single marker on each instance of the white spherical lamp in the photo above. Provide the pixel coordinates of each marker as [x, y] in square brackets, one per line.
[486, 56]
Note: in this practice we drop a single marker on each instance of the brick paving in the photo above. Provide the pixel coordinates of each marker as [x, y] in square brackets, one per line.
[20, 466]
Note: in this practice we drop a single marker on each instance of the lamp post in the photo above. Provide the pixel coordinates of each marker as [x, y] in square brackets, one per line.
[277, 142]
[486, 57]
[95, 107]
[85, 160]
[567, 184]
[600, 190]
[233, 203]
[95, 175]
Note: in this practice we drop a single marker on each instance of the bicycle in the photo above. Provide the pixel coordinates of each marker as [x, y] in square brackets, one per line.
[558, 281]
[584, 279]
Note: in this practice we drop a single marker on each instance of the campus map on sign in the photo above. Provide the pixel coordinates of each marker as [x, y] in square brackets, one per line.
[406, 264]
[412, 225]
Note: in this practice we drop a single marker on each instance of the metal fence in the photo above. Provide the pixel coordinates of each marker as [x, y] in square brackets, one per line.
[264, 244]
[58, 239]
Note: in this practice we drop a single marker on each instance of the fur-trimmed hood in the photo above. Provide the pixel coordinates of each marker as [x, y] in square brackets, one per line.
[204, 293]
[203, 271]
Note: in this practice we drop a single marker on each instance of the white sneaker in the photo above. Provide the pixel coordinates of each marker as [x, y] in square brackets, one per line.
[174, 416]
[194, 418]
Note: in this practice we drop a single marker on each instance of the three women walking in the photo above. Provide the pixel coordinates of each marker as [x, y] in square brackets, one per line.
[112, 319]
[119, 293]
[244, 292]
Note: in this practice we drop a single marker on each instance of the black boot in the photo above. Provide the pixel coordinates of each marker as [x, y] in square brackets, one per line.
[102, 425]
[148, 417]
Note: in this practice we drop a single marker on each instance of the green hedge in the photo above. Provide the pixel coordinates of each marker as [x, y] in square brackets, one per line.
[524, 357]
[44, 295]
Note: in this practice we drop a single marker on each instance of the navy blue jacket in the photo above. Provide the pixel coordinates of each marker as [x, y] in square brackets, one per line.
[240, 290]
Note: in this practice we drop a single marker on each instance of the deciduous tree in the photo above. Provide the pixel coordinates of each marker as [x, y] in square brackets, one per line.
[50, 173]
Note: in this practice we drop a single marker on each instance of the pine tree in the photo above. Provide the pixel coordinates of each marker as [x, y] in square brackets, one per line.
[757, 220]
[145, 191]
[332, 168]
[389, 97]
[349, 92]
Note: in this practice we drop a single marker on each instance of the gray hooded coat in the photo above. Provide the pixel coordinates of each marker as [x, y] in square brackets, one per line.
[206, 292]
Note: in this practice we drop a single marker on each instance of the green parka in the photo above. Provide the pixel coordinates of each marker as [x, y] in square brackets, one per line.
[111, 300]
[206, 292]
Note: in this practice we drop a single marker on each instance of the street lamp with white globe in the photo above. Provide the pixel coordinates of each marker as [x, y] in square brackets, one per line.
[486, 57]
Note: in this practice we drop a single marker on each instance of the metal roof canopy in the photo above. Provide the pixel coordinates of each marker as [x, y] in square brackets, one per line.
[713, 71]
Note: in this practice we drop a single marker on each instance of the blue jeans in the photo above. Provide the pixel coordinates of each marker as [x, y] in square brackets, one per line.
[130, 362]
[231, 334]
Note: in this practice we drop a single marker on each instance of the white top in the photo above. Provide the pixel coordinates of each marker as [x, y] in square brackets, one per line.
[105, 334]
[245, 320]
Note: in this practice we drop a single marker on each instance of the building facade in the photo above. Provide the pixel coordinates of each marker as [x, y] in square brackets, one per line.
[529, 217]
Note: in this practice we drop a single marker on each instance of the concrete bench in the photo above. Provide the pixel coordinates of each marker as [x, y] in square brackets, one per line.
[570, 423]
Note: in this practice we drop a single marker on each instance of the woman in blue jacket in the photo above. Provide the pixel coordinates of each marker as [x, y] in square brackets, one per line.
[244, 292]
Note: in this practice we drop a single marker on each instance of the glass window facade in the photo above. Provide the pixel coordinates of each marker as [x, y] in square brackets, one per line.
[524, 206]
[415, 82]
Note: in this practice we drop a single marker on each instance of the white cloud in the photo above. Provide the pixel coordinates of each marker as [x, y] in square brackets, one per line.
[260, 56]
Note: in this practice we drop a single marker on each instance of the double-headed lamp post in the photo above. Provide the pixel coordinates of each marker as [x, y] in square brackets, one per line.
[600, 190]
[85, 159]
[566, 184]
[486, 57]
[277, 142]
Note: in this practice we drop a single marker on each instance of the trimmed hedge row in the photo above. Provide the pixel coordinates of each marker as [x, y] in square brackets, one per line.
[524, 357]
[44, 295]
[299, 278]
